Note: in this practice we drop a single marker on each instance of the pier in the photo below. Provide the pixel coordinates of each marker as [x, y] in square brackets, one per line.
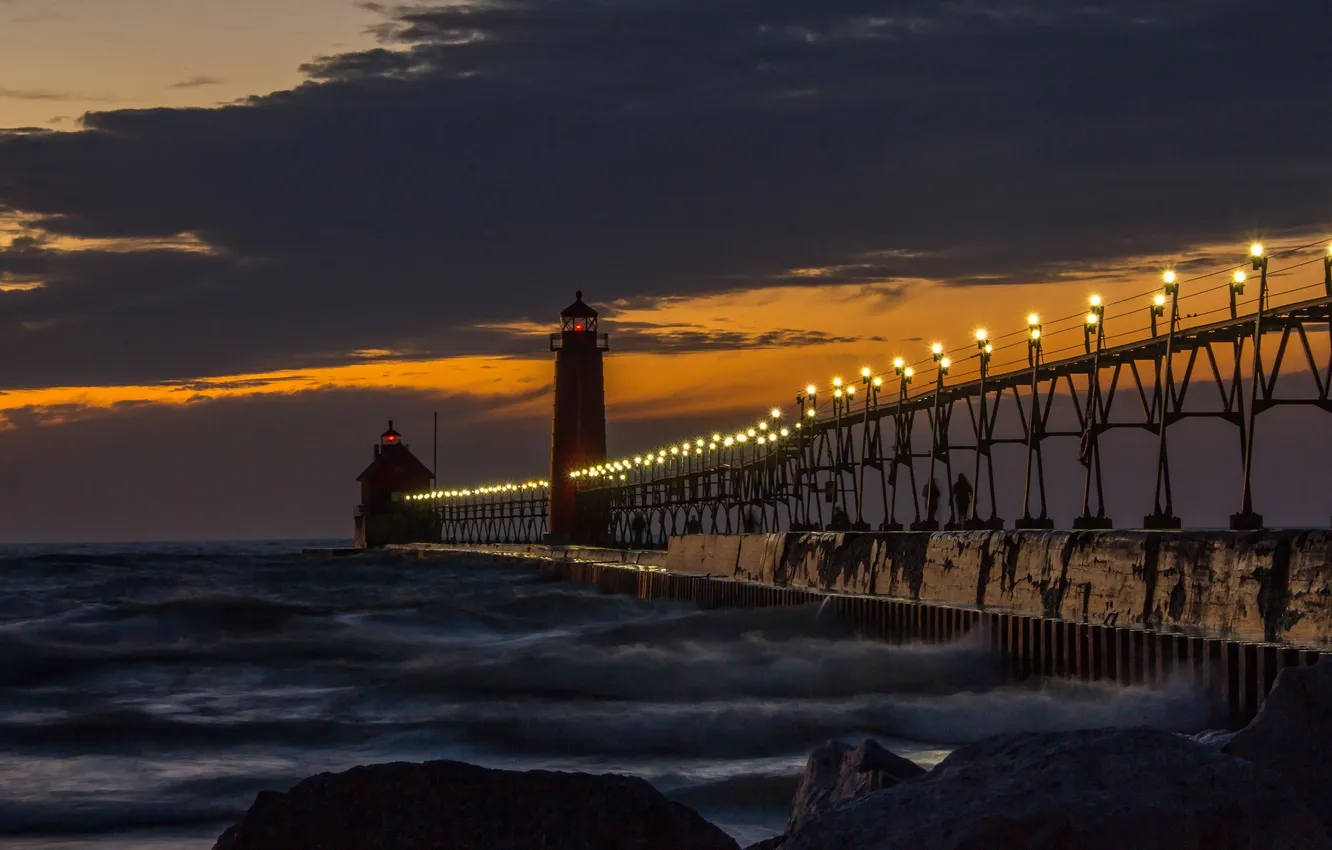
[836, 499]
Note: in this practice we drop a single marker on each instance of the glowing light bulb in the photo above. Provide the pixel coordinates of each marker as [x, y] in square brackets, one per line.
[716, 437]
[763, 426]
[1033, 319]
[909, 372]
[989, 349]
[1256, 249]
[811, 413]
[945, 364]
[850, 391]
[1239, 277]
[898, 362]
[981, 335]
[1091, 318]
[1095, 301]
[937, 348]
[1159, 300]
[811, 389]
[1035, 333]
[837, 382]
[878, 382]
[865, 372]
[776, 413]
[1168, 277]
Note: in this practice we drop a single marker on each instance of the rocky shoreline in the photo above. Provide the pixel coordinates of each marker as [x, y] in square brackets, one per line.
[1266, 786]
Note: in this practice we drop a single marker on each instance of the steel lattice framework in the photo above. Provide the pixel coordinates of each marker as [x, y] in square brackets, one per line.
[500, 517]
[857, 468]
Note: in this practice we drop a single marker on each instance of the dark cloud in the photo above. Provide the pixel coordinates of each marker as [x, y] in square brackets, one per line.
[50, 94]
[198, 82]
[490, 157]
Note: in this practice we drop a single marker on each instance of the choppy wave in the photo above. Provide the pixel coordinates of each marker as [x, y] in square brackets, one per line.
[157, 661]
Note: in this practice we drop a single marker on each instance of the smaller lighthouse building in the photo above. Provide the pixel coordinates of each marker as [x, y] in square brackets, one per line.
[383, 516]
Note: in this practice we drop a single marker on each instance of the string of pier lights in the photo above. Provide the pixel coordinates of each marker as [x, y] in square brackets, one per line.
[762, 435]
[1033, 338]
[439, 495]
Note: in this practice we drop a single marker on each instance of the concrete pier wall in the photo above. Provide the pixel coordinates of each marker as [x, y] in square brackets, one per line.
[1270, 586]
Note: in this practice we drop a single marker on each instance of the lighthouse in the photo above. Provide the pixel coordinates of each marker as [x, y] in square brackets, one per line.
[384, 516]
[578, 433]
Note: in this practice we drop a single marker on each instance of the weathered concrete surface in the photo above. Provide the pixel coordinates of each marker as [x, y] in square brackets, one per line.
[1263, 586]
[719, 553]
[651, 558]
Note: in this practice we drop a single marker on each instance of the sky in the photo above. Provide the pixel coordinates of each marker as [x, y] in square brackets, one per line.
[236, 238]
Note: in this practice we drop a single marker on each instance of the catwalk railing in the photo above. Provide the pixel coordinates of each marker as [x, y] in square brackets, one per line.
[504, 514]
[865, 460]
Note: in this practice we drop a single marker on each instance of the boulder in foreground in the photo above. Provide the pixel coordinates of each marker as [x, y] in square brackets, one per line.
[1104, 789]
[1292, 735]
[448, 804]
[837, 772]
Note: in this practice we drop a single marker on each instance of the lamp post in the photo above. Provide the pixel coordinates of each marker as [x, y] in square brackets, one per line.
[904, 375]
[838, 405]
[1247, 518]
[1236, 289]
[1094, 325]
[1027, 521]
[1327, 271]
[847, 447]
[872, 385]
[1163, 514]
[809, 395]
[775, 458]
[943, 364]
[984, 351]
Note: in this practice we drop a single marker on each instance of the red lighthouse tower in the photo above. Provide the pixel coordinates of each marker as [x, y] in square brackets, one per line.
[578, 436]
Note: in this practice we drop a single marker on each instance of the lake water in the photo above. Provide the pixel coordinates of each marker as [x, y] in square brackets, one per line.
[148, 692]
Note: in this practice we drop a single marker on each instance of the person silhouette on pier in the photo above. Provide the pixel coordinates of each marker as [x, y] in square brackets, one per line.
[962, 494]
[931, 494]
[840, 520]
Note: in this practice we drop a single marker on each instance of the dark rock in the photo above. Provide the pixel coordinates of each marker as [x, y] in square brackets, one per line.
[1105, 789]
[447, 804]
[1292, 735]
[836, 772]
[768, 843]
